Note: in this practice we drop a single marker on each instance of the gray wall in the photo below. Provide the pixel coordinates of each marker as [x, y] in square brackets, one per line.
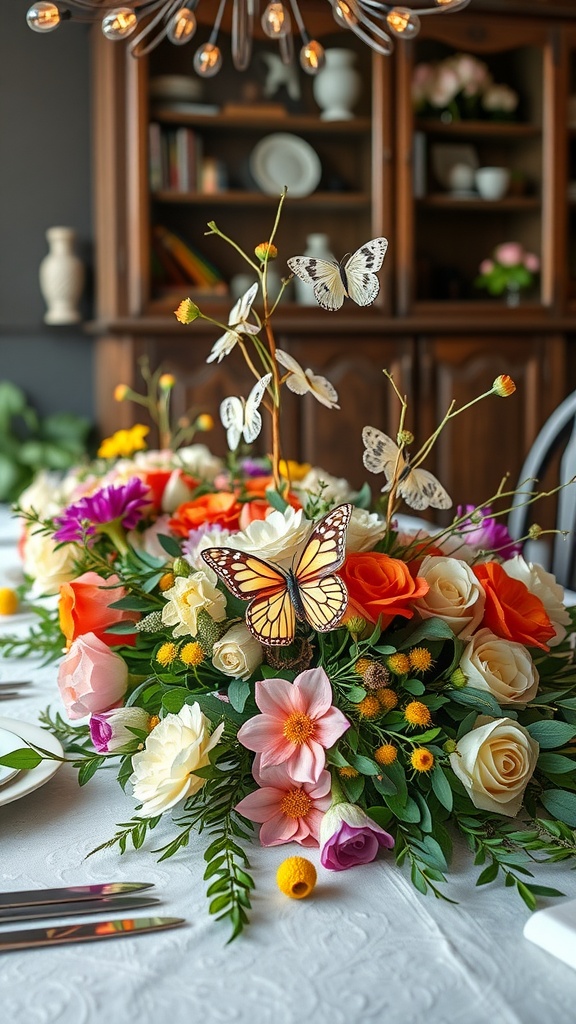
[44, 181]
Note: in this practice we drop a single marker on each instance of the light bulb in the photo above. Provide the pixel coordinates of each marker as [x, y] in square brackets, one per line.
[119, 23]
[312, 57]
[207, 60]
[343, 14]
[403, 22]
[182, 26]
[276, 21]
[43, 17]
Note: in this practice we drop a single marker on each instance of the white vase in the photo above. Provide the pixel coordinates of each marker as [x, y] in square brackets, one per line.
[317, 245]
[61, 277]
[337, 87]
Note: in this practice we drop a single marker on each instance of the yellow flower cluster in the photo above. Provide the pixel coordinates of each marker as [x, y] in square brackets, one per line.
[124, 442]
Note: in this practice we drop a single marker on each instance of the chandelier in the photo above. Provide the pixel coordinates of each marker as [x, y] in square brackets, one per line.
[145, 23]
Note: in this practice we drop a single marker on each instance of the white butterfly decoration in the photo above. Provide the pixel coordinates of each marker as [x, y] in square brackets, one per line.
[302, 381]
[238, 324]
[240, 417]
[354, 278]
[418, 487]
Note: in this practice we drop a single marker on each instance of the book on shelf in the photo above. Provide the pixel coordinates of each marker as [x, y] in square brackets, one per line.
[198, 270]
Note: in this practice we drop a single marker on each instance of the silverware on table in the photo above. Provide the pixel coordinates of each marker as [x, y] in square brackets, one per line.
[32, 938]
[15, 682]
[106, 905]
[9, 694]
[69, 894]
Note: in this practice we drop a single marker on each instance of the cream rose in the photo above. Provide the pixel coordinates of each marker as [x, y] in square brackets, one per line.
[48, 563]
[164, 771]
[334, 489]
[188, 596]
[237, 653]
[364, 531]
[454, 594]
[278, 536]
[503, 668]
[544, 586]
[495, 762]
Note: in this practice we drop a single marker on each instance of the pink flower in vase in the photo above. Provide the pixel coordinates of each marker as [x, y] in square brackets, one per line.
[509, 254]
[531, 262]
[486, 267]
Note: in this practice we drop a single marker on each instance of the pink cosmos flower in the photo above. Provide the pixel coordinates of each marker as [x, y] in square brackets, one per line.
[297, 725]
[289, 812]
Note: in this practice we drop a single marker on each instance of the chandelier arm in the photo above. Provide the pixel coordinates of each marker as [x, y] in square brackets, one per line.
[242, 33]
[445, 8]
[374, 33]
[164, 11]
[299, 21]
[217, 23]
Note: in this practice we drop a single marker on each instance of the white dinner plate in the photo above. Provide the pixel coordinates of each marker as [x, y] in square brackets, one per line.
[282, 160]
[8, 742]
[28, 781]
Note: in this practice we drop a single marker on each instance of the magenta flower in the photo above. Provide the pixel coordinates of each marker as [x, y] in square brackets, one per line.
[488, 534]
[297, 725]
[349, 837]
[288, 811]
[124, 505]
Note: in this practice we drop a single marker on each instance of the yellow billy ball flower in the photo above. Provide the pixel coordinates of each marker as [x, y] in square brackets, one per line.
[204, 422]
[421, 759]
[348, 772]
[167, 581]
[265, 251]
[192, 654]
[417, 713]
[535, 531]
[187, 312]
[355, 625]
[387, 698]
[398, 663]
[167, 653]
[121, 392]
[404, 437]
[8, 601]
[166, 381]
[386, 754]
[503, 386]
[369, 707]
[153, 722]
[294, 470]
[420, 659]
[296, 877]
[362, 664]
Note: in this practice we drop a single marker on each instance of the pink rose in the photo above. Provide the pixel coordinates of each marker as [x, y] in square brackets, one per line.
[509, 254]
[531, 262]
[91, 678]
[349, 837]
[486, 267]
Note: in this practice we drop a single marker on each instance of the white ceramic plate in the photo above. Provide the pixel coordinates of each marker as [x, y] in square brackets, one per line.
[27, 782]
[283, 159]
[8, 742]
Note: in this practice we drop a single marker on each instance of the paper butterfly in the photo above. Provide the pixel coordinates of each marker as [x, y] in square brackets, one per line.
[240, 417]
[355, 278]
[310, 592]
[418, 487]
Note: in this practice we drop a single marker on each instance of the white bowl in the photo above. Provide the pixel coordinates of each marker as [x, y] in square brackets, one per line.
[492, 182]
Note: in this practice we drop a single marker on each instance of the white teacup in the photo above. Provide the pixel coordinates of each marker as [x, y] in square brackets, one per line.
[492, 182]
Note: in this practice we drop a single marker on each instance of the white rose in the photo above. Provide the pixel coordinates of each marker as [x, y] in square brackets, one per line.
[544, 586]
[48, 564]
[200, 540]
[176, 492]
[495, 762]
[188, 596]
[164, 771]
[198, 460]
[42, 495]
[449, 544]
[364, 531]
[237, 653]
[455, 595]
[503, 668]
[334, 490]
[278, 536]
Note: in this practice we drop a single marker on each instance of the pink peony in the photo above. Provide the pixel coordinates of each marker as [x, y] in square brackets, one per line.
[297, 725]
[349, 837]
[486, 267]
[531, 262]
[288, 811]
[509, 254]
[91, 678]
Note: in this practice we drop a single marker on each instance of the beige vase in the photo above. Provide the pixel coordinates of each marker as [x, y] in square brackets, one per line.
[61, 277]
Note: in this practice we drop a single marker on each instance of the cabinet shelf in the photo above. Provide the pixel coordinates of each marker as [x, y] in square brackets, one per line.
[255, 123]
[503, 131]
[448, 202]
[240, 197]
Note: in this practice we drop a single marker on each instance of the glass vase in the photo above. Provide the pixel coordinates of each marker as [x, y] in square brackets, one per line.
[512, 295]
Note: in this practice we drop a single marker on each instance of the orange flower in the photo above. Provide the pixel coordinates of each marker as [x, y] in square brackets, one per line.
[84, 607]
[511, 611]
[380, 585]
[215, 509]
[157, 479]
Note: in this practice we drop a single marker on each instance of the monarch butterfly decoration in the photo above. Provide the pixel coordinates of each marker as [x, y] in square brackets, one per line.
[418, 487]
[353, 278]
[310, 592]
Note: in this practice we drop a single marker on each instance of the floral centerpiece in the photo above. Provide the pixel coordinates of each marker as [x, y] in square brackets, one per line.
[461, 87]
[268, 655]
[510, 269]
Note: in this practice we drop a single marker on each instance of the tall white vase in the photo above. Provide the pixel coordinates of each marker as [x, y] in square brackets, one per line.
[61, 277]
[318, 245]
[337, 87]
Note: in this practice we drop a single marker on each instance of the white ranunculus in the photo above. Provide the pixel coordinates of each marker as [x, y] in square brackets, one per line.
[188, 596]
[237, 653]
[200, 540]
[502, 667]
[495, 762]
[334, 490]
[48, 563]
[364, 531]
[544, 586]
[43, 495]
[198, 460]
[164, 771]
[278, 536]
[176, 492]
[455, 595]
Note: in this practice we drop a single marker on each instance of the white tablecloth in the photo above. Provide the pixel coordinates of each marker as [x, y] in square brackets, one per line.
[364, 947]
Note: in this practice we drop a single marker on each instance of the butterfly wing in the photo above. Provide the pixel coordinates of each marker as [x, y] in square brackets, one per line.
[323, 276]
[232, 417]
[362, 285]
[323, 595]
[381, 452]
[419, 488]
[252, 424]
[272, 620]
[270, 616]
[324, 602]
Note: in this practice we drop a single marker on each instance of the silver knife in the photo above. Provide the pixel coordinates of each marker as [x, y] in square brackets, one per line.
[32, 938]
[113, 905]
[71, 893]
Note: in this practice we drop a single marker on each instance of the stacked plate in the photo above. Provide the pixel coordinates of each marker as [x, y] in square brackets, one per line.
[14, 783]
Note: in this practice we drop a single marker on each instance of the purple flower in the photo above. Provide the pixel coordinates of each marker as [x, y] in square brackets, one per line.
[111, 731]
[124, 504]
[487, 534]
[349, 837]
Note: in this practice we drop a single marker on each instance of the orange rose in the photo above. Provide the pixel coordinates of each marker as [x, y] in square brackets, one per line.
[215, 509]
[511, 611]
[84, 607]
[380, 585]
